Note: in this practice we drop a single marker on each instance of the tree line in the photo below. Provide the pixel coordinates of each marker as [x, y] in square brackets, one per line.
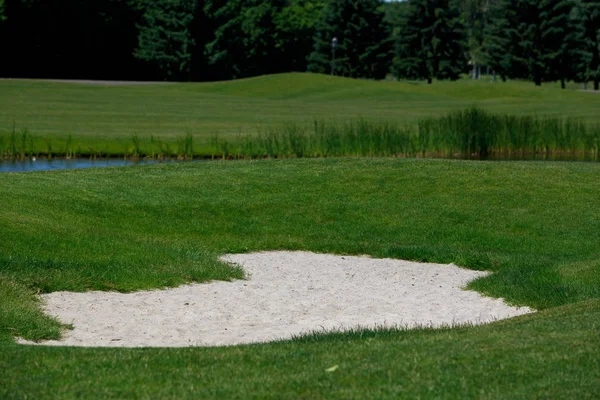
[204, 40]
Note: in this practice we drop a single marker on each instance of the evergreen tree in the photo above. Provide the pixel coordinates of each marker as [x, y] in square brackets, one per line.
[530, 39]
[70, 39]
[477, 15]
[529, 28]
[295, 28]
[165, 38]
[559, 39]
[430, 42]
[245, 37]
[223, 50]
[589, 12]
[362, 49]
[502, 40]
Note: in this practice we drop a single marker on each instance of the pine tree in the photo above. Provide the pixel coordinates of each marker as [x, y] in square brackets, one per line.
[530, 39]
[165, 38]
[529, 28]
[430, 43]
[296, 26]
[589, 11]
[476, 15]
[558, 39]
[245, 37]
[362, 45]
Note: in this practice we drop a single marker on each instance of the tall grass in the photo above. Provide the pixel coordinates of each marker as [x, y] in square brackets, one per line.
[17, 145]
[471, 134]
[185, 147]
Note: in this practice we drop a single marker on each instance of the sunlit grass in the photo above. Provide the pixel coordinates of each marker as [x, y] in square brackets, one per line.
[534, 224]
[96, 113]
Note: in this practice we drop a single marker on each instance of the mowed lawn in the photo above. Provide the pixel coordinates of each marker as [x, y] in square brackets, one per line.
[94, 113]
[536, 224]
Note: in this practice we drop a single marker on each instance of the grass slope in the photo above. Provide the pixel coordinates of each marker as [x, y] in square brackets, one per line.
[535, 224]
[96, 113]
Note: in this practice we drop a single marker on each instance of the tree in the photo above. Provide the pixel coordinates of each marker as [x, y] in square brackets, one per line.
[165, 39]
[501, 45]
[362, 49]
[589, 12]
[529, 30]
[559, 39]
[69, 39]
[245, 37]
[530, 39]
[295, 28]
[430, 42]
[476, 15]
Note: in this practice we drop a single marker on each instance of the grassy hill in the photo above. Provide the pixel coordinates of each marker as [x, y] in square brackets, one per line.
[88, 112]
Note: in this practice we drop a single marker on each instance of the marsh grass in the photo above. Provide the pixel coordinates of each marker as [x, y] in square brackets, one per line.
[68, 152]
[185, 147]
[469, 134]
[137, 150]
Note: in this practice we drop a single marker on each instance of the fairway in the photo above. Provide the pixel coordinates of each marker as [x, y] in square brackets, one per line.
[99, 112]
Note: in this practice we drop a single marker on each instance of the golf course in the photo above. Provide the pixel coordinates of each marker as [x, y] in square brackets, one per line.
[534, 225]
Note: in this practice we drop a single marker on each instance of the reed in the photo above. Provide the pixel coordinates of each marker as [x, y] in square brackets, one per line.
[137, 146]
[185, 147]
[13, 141]
[473, 133]
[68, 152]
[469, 134]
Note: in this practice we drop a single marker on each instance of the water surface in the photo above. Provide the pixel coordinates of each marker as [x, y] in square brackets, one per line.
[60, 163]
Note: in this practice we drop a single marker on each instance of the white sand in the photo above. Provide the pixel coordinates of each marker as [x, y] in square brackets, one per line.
[287, 294]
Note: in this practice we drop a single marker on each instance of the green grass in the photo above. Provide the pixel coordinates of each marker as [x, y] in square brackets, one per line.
[550, 355]
[535, 224]
[102, 119]
[472, 133]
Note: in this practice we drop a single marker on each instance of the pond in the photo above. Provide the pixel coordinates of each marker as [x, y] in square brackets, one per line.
[61, 163]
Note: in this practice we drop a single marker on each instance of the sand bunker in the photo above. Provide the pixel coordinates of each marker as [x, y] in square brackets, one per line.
[287, 294]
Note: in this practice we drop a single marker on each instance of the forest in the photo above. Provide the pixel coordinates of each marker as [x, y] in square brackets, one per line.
[209, 40]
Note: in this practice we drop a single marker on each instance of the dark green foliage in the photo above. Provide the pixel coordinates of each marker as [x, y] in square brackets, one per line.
[244, 42]
[477, 17]
[295, 26]
[165, 38]
[220, 40]
[362, 49]
[430, 42]
[561, 36]
[76, 39]
[531, 39]
[529, 29]
[589, 14]
[557, 39]
[502, 40]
